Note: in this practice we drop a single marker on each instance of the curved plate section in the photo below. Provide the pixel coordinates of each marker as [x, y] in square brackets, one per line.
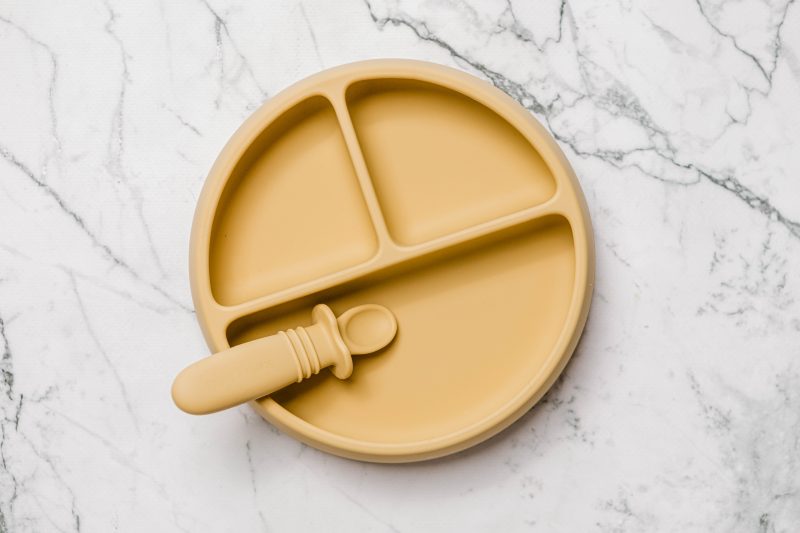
[292, 210]
[474, 329]
[433, 155]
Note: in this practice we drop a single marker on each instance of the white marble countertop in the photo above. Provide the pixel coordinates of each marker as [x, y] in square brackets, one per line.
[681, 408]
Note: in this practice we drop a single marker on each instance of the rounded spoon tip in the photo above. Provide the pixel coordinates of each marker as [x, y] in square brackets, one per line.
[367, 328]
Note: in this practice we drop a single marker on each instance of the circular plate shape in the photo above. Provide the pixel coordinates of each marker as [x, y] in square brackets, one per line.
[419, 188]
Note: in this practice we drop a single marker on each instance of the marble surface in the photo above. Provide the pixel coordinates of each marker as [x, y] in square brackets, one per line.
[681, 408]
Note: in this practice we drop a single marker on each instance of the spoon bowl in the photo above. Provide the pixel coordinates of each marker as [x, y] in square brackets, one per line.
[367, 328]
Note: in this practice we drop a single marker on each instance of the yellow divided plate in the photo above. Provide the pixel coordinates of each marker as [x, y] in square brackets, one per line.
[419, 188]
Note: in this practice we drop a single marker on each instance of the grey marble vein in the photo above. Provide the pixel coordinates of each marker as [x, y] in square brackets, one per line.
[77, 219]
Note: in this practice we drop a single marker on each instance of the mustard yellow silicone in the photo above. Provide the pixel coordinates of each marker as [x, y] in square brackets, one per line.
[414, 187]
[262, 366]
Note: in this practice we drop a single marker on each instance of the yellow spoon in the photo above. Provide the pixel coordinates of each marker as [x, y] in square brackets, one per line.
[260, 367]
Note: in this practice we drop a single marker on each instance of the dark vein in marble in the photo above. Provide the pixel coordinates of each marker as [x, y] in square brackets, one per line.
[51, 90]
[421, 30]
[715, 417]
[254, 486]
[125, 295]
[116, 141]
[15, 484]
[99, 347]
[6, 362]
[78, 220]
[311, 34]
[777, 43]
[133, 298]
[124, 460]
[9, 423]
[18, 411]
[675, 43]
[523, 34]
[755, 201]
[618, 100]
[366, 510]
[56, 475]
[220, 28]
[767, 75]
[186, 124]
[614, 100]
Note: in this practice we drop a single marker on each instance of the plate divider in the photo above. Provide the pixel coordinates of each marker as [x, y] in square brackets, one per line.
[395, 255]
[339, 103]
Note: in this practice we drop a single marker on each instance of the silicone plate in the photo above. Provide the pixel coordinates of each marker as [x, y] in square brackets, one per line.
[419, 188]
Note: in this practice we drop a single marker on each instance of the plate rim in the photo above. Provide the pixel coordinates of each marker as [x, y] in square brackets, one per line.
[499, 102]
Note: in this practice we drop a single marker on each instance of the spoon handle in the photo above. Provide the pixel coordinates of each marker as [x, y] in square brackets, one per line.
[262, 366]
